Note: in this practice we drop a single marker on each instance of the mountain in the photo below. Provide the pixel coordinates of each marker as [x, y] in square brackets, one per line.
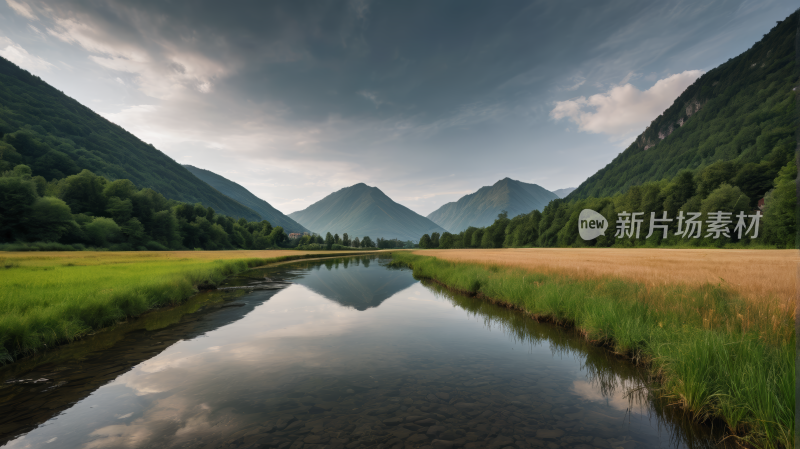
[741, 113]
[244, 197]
[479, 209]
[57, 136]
[361, 210]
[562, 193]
[358, 286]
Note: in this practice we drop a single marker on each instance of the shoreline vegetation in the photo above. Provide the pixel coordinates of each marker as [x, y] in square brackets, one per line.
[51, 298]
[712, 350]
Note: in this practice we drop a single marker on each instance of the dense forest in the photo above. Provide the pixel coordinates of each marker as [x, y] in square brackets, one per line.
[88, 211]
[715, 188]
[725, 144]
[742, 111]
[56, 137]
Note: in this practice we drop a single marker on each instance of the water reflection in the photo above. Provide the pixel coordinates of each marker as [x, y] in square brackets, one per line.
[296, 369]
[351, 283]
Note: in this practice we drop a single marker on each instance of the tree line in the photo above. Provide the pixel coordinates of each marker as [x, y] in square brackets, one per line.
[85, 210]
[334, 242]
[725, 186]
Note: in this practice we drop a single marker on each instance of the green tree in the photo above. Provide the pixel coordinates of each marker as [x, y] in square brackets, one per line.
[49, 219]
[102, 231]
[425, 242]
[781, 211]
[84, 193]
[725, 198]
[477, 238]
[121, 188]
[120, 210]
[133, 230]
[278, 236]
[55, 165]
[678, 192]
[165, 229]
[435, 240]
[714, 175]
[17, 195]
[467, 236]
[345, 239]
[446, 241]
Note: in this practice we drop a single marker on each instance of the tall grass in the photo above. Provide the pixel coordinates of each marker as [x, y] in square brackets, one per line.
[765, 277]
[707, 356]
[49, 299]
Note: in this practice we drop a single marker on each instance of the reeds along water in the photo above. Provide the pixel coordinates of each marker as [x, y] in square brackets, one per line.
[716, 353]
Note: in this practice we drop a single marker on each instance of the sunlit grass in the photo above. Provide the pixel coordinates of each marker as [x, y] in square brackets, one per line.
[50, 298]
[711, 348]
[768, 278]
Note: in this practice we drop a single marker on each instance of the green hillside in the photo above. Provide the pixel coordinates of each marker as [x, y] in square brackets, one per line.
[57, 136]
[361, 210]
[244, 197]
[482, 207]
[742, 111]
[725, 144]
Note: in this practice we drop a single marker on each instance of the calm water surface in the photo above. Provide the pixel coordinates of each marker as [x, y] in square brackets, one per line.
[337, 353]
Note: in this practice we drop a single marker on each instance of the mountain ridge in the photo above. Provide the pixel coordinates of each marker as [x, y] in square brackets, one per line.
[246, 198]
[562, 193]
[739, 111]
[57, 136]
[480, 208]
[361, 210]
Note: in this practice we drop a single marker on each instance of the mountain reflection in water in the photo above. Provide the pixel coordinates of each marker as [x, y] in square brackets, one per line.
[351, 283]
[402, 364]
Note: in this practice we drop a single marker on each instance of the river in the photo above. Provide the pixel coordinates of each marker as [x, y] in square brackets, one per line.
[336, 353]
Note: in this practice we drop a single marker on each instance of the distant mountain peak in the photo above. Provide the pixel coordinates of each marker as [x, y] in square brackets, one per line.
[562, 193]
[481, 207]
[362, 210]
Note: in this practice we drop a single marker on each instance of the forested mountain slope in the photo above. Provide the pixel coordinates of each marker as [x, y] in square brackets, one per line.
[246, 198]
[361, 210]
[724, 152]
[742, 111]
[57, 136]
[481, 208]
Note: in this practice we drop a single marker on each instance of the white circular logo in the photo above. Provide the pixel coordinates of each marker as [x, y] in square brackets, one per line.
[591, 224]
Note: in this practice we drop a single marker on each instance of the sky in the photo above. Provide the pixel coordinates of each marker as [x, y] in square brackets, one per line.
[427, 101]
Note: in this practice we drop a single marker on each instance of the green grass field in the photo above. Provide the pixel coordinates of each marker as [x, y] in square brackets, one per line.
[693, 338]
[47, 299]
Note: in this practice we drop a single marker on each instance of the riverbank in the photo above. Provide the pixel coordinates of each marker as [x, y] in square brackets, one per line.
[51, 298]
[714, 351]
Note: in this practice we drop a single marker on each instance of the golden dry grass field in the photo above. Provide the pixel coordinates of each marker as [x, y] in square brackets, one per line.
[760, 275]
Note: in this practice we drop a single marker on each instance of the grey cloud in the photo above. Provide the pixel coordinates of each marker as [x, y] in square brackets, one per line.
[399, 92]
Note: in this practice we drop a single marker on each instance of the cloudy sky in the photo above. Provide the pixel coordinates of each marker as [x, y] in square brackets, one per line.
[426, 100]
